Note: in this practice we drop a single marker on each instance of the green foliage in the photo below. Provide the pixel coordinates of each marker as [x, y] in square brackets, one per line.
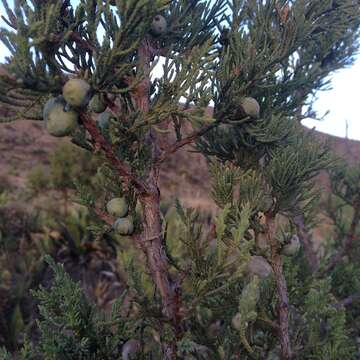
[21, 254]
[191, 293]
[291, 170]
[37, 179]
[75, 235]
[5, 355]
[273, 74]
[326, 325]
[342, 210]
[68, 165]
[68, 322]
[3, 198]
[345, 181]
[247, 310]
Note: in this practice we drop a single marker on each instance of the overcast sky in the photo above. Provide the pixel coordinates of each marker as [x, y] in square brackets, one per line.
[341, 101]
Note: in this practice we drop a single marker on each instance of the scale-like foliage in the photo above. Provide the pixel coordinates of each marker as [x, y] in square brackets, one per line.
[259, 63]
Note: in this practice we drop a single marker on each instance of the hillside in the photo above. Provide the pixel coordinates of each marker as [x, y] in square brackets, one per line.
[25, 144]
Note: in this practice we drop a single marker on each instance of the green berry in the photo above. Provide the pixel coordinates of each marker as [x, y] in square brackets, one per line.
[103, 120]
[76, 92]
[50, 104]
[58, 121]
[124, 226]
[6, 276]
[292, 248]
[236, 322]
[97, 104]
[251, 107]
[261, 241]
[159, 25]
[258, 266]
[117, 207]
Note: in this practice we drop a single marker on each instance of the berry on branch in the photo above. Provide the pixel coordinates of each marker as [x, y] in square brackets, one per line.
[97, 104]
[159, 25]
[250, 107]
[292, 248]
[76, 92]
[117, 207]
[124, 226]
[58, 121]
[258, 266]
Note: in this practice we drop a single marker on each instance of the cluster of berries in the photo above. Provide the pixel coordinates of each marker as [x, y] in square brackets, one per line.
[119, 208]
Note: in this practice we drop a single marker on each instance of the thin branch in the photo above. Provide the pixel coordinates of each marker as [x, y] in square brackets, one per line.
[272, 324]
[104, 216]
[348, 242]
[9, 23]
[281, 286]
[353, 299]
[100, 142]
[183, 142]
[305, 239]
[12, 18]
[82, 43]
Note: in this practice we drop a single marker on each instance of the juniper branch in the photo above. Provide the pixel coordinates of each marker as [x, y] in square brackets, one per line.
[104, 216]
[283, 307]
[347, 243]
[185, 141]
[151, 238]
[101, 143]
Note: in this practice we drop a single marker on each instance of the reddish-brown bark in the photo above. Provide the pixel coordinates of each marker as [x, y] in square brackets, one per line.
[151, 242]
[183, 142]
[151, 239]
[104, 216]
[281, 286]
[101, 143]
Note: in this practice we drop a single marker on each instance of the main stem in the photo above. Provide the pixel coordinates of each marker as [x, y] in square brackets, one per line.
[277, 266]
[151, 240]
[157, 262]
[153, 247]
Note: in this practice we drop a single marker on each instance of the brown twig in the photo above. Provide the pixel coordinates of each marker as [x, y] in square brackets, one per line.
[348, 242]
[272, 324]
[100, 142]
[276, 263]
[12, 18]
[305, 239]
[85, 45]
[9, 22]
[104, 216]
[183, 142]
